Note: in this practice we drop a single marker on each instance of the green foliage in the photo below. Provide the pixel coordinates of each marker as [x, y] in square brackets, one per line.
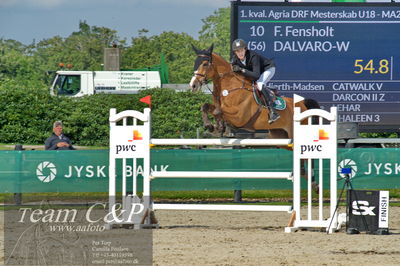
[16, 64]
[145, 51]
[379, 135]
[176, 113]
[82, 49]
[28, 111]
[26, 116]
[216, 30]
[87, 122]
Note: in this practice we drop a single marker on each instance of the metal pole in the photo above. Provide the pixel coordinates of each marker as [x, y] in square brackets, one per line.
[18, 195]
[237, 195]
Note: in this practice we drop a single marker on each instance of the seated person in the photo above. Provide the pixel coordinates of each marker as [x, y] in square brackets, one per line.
[58, 141]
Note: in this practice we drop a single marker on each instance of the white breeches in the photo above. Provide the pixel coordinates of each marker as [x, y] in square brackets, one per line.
[265, 77]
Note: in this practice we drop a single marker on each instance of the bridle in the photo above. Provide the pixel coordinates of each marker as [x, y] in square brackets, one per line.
[221, 75]
[205, 80]
[204, 76]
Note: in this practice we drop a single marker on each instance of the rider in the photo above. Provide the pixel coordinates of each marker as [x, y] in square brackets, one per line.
[257, 68]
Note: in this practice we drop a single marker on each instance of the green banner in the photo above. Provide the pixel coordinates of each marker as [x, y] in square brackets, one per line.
[372, 168]
[236, 160]
[53, 171]
[87, 171]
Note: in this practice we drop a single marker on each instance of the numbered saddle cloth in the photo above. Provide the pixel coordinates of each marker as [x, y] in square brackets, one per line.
[278, 104]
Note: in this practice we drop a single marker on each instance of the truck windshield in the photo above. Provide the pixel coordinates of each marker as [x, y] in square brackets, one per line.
[67, 84]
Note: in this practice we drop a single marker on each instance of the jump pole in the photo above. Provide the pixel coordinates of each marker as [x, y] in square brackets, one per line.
[139, 136]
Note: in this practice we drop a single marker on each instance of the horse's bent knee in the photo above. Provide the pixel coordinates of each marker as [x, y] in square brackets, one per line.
[205, 107]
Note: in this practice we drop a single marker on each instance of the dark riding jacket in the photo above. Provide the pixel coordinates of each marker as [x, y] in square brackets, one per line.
[51, 142]
[255, 64]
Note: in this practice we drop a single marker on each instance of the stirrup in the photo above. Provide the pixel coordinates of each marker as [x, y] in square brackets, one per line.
[273, 117]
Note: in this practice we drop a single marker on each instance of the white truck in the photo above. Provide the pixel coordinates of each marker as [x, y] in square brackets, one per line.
[81, 83]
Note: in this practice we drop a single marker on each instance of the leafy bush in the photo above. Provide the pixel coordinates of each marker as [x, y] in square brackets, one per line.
[27, 115]
[27, 112]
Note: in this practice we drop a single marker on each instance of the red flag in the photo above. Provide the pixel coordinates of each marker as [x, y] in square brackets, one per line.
[146, 99]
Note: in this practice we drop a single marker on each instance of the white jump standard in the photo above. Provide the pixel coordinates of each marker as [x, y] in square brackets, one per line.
[310, 142]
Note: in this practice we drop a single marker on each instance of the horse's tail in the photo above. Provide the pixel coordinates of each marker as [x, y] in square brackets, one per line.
[311, 104]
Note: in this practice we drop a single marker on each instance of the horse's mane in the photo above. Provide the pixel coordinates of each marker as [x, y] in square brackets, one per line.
[220, 58]
[226, 64]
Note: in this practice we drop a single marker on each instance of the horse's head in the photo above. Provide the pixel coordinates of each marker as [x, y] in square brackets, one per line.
[203, 68]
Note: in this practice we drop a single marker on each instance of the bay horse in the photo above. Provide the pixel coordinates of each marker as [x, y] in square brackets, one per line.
[233, 100]
[234, 103]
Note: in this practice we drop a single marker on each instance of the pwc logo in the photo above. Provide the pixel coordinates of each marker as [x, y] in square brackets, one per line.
[130, 147]
[136, 136]
[322, 135]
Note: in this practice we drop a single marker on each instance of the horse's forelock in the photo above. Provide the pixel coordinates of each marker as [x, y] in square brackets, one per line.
[203, 52]
[197, 63]
[203, 55]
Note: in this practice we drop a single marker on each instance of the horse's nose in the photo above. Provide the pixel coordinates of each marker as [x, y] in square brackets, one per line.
[193, 83]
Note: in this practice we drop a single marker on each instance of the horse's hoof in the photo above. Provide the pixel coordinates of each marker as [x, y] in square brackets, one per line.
[303, 172]
[217, 112]
[221, 128]
[315, 187]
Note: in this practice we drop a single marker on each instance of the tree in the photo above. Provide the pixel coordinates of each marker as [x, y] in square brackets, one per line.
[17, 66]
[146, 51]
[216, 30]
[82, 49]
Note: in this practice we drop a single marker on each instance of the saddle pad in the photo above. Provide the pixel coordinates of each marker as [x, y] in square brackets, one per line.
[279, 103]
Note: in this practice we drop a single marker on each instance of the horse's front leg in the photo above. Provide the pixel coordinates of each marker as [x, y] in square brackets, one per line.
[217, 114]
[220, 125]
[205, 110]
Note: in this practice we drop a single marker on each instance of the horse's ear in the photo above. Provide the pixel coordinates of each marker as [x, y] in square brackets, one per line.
[210, 50]
[194, 49]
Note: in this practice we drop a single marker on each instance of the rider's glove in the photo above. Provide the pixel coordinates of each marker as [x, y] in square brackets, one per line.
[237, 68]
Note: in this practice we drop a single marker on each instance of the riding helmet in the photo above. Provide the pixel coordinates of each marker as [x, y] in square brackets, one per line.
[238, 44]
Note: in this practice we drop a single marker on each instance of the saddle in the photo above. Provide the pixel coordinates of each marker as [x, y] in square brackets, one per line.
[278, 102]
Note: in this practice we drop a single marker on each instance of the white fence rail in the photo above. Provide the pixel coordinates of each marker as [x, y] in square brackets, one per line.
[311, 143]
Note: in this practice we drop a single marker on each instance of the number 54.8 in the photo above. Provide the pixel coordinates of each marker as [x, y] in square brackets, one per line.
[369, 66]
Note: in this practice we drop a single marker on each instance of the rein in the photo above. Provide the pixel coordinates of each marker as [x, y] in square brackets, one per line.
[204, 75]
[239, 88]
[220, 75]
[217, 96]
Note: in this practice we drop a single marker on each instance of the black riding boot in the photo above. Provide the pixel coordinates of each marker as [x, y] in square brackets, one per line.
[273, 115]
